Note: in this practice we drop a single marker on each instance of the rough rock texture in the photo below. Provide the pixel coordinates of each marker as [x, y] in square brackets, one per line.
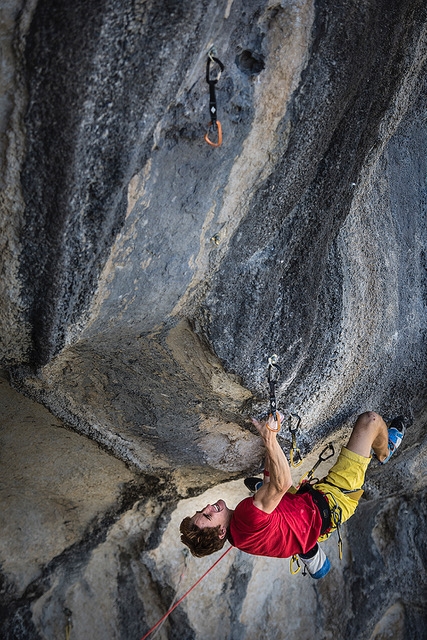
[146, 279]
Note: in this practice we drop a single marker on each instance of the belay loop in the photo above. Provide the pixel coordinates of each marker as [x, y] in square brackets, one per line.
[214, 125]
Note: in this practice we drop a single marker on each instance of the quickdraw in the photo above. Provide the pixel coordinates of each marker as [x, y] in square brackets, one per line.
[214, 124]
[272, 382]
[69, 624]
[322, 457]
[295, 453]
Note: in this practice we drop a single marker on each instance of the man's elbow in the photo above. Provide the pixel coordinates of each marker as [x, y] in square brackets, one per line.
[285, 485]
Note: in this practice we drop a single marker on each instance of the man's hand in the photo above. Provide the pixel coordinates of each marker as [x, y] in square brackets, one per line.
[263, 430]
[269, 495]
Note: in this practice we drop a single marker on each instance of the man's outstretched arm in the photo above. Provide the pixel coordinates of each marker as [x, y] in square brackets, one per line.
[269, 495]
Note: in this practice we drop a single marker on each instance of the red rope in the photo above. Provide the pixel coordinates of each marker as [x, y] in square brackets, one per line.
[185, 595]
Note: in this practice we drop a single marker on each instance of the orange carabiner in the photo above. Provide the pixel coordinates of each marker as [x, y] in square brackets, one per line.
[277, 421]
[219, 130]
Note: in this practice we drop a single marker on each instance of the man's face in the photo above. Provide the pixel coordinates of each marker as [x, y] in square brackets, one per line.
[212, 516]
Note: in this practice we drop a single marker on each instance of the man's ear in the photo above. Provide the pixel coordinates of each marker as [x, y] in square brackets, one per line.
[222, 533]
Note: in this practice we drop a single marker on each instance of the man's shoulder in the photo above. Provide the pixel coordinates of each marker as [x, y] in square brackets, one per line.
[244, 504]
[248, 509]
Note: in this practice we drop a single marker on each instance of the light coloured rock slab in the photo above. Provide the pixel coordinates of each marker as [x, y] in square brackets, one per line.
[53, 484]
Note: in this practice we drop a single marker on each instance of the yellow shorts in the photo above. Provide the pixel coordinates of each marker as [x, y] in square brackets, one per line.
[348, 473]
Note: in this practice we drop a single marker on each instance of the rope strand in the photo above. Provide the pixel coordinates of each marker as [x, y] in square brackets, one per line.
[184, 596]
[175, 598]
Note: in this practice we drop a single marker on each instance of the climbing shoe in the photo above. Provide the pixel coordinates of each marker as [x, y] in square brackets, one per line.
[253, 484]
[316, 562]
[396, 431]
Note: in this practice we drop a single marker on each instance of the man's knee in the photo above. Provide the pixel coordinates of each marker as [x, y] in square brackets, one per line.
[368, 427]
[368, 420]
[369, 416]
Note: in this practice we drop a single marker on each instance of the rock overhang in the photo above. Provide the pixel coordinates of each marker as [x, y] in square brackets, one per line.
[156, 275]
[279, 241]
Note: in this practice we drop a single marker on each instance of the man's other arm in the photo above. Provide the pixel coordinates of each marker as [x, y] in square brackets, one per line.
[270, 494]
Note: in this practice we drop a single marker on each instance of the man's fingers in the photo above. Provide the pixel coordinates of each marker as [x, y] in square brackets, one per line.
[267, 427]
[258, 425]
[272, 423]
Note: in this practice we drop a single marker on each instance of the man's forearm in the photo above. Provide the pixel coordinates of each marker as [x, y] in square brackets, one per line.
[266, 469]
[280, 472]
[271, 493]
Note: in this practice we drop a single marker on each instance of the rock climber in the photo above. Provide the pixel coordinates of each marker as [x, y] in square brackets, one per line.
[279, 522]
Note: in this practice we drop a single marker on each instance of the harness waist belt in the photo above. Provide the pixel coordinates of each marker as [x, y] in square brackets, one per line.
[321, 502]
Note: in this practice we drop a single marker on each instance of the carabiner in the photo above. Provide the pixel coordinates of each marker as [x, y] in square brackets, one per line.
[294, 562]
[295, 453]
[212, 58]
[277, 420]
[296, 457]
[212, 126]
[295, 429]
[336, 520]
[322, 456]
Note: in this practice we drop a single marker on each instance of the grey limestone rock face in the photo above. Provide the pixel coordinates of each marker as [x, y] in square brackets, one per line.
[147, 278]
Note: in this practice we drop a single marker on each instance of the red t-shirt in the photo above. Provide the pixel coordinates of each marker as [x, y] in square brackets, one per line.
[293, 527]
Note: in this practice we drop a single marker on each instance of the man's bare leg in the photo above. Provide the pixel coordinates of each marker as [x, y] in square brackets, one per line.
[369, 432]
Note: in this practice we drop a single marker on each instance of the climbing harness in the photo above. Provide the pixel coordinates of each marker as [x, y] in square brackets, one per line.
[214, 125]
[336, 518]
[185, 595]
[273, 378]
[306, 484]
[336, 511]
[295, 453]
[321, 502]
